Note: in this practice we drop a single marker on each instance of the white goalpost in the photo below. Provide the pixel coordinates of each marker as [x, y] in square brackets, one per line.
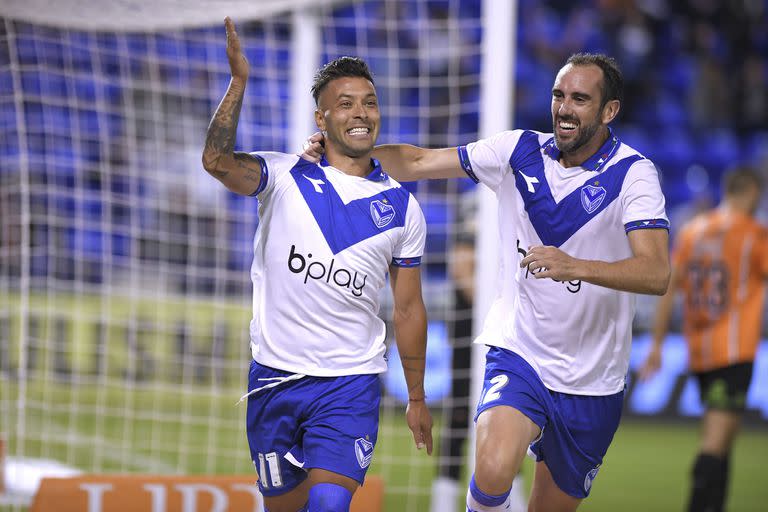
[124, 286]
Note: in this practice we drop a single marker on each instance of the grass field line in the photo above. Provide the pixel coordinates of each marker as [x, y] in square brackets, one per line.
[134, 461]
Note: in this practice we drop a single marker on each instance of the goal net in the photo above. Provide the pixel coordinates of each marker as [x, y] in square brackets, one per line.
[124, 284]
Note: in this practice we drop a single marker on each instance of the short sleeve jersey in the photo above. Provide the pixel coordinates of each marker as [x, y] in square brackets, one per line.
[576, 335]
[322, 252]
[723, 259]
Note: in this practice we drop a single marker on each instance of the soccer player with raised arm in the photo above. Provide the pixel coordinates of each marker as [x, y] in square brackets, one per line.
[583, 228]
[720, 267]
[328, 235]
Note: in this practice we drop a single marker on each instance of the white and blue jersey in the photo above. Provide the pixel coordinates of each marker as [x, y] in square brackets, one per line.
[322, 252]
[575, 335]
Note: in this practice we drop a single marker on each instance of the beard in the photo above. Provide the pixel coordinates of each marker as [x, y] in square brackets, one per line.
[586, 132]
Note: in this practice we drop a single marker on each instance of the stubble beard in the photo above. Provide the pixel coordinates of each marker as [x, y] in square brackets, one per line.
[585, 135]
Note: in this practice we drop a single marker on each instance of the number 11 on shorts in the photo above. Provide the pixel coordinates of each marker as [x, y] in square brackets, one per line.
[270, 460]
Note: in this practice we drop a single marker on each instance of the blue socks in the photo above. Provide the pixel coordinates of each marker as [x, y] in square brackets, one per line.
[478, 501]
[327, 497]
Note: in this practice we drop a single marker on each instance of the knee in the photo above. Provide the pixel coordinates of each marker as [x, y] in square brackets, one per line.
[328, 497]
[503, 437]
[495, 470]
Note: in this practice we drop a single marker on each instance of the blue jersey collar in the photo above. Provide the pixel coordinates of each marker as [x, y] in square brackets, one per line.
[595, 162]
[377, 174]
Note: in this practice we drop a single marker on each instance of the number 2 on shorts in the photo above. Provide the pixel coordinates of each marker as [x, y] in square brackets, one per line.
[492, 394]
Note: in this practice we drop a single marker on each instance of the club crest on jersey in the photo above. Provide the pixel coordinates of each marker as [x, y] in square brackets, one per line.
[364, 451]
[592, 197]
[590, 478]
[382, 213]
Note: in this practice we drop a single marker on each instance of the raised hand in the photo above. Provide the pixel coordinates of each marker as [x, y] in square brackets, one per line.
[238, 64]
[240, 172]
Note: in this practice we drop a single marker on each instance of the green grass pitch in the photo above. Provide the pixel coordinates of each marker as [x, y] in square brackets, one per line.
[646, 468]
[171, 424]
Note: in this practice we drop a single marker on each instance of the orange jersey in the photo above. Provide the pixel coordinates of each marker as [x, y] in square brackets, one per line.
[722, 257]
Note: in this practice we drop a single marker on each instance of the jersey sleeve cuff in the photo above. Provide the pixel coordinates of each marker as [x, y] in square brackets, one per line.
[465, 164]
[646, 224]
[407, 262]
[264, 175]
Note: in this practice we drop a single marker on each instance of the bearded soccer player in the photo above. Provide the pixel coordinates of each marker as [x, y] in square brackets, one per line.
[720, 266]
[328, 235]
[583, 228]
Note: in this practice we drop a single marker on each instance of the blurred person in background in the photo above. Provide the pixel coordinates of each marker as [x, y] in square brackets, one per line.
[583, 228]
[720, 266]
[455, 431]
[329, 236]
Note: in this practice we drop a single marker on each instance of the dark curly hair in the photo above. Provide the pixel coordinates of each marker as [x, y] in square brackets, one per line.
[339, 68]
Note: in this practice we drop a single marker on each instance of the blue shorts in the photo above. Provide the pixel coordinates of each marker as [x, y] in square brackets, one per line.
[328, 423]
[576, 429]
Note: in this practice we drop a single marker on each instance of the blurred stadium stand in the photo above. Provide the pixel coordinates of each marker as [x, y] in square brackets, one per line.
[696, 103]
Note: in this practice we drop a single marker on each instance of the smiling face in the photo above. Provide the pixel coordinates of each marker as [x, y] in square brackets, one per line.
[348, 115]
[579, 120]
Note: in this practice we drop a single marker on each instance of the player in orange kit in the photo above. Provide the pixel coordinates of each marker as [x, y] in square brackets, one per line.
[720, 265]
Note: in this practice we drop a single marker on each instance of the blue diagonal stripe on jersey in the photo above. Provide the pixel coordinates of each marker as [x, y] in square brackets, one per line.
[556, 222]
[344, 225]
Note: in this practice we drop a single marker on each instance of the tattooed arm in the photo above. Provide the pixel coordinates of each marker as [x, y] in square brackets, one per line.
[410, 319]
[239, 172]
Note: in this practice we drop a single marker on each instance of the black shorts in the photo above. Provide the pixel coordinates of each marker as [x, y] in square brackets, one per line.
[725, 388]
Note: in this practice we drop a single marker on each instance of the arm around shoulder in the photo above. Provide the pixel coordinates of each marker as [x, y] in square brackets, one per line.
[405, 162]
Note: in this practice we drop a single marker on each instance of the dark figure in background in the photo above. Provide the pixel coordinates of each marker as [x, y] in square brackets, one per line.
[455, 431]
[720, 266]
[445, 488]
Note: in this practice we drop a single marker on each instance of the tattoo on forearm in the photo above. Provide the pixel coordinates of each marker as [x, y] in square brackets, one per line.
[416, 387]
[412, 363]
[413, 366]
[220, 139]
